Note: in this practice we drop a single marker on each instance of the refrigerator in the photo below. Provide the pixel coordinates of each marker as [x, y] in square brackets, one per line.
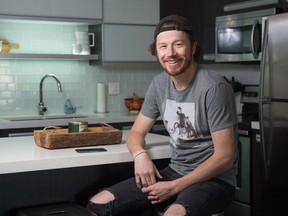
[270, 155]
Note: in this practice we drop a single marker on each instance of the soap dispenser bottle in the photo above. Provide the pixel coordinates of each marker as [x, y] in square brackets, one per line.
[68, 106]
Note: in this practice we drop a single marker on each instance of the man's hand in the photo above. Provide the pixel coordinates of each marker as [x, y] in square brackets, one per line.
[160, 191]
[145, 171]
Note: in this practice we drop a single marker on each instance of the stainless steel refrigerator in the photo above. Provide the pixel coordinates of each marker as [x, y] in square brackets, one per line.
[270, 155]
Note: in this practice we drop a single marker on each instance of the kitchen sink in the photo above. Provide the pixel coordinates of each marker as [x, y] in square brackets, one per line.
[47, 117]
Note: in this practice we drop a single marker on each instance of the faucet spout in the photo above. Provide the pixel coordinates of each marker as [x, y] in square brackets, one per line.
[41, 107]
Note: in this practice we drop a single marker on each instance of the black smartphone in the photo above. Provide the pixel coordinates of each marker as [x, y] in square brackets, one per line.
[90, 150]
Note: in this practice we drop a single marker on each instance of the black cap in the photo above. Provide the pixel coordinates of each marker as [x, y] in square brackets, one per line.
[178, 23]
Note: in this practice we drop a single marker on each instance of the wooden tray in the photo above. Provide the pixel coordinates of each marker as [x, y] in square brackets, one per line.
[60, 138]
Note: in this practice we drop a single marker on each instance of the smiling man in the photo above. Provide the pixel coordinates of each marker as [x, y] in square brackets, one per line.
[201, 177]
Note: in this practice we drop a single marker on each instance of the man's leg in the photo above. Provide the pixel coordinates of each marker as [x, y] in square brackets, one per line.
[118, 199]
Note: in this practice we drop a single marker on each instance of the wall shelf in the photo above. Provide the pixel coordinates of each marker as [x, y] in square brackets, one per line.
[37, 56]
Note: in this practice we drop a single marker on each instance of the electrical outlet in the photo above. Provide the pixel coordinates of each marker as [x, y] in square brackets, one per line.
[114, 88]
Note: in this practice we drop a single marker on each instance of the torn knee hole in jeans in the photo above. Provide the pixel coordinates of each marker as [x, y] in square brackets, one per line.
[175, 204]
[102, 197]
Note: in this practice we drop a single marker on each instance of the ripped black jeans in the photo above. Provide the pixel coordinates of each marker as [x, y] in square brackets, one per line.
[201, 199]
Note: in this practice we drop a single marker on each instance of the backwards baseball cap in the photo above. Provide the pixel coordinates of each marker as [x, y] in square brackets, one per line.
[174, 22]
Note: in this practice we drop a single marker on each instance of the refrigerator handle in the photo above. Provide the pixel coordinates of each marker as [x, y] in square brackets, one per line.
[262, 87]
[263, 141]
[263, 57]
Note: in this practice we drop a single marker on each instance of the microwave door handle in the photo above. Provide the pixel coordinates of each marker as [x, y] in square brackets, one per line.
[254, 52]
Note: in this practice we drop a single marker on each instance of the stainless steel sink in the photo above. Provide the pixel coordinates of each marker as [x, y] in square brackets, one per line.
[47, 117]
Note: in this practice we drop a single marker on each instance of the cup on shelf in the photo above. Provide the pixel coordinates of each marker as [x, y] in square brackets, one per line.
[83, 38]
[77, 49]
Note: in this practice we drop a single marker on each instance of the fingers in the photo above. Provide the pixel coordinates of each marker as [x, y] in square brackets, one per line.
[153, 197]
[145, 181]
[138, 182]
[158, 175]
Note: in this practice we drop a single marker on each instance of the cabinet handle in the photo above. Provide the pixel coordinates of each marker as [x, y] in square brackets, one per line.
[258, 138]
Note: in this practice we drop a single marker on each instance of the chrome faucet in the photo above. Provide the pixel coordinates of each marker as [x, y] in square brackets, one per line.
[41, 107]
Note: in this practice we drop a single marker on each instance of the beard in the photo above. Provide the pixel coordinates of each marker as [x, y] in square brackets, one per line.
[182, 64]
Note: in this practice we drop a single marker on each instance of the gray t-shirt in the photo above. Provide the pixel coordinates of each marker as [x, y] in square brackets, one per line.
[190, 116]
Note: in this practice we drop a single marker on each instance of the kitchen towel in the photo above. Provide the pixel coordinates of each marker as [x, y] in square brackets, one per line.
[101, 97]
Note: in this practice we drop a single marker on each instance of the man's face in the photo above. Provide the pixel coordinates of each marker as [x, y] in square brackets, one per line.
[174, 51]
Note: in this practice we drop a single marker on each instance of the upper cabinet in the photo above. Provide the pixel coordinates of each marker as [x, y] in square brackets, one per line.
[123, 29]
[123, 43]
[87, 9]
[131, 11]
[45, 29]
[201, 15]
[127, 31]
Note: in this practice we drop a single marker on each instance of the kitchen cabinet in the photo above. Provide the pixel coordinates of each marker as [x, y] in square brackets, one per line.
[126, 32]
[232, 6]
[30, 13]
[168, 7]
[208, 27]
[123, 43]
[46, 177]
[89, 9]
[202, 17]
[125, 37]
[131, 11]
[39, 31]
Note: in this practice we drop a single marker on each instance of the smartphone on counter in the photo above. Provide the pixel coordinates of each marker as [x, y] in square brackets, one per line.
[90, 150]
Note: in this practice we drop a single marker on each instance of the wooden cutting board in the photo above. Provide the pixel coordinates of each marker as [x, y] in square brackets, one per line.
[5, 46]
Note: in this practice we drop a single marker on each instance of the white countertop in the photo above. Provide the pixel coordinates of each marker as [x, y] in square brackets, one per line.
[94, 118]
[21, 154]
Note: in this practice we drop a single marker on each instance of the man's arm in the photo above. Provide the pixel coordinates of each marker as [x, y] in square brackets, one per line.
[221, 160]
[145, 170]
[136, 138]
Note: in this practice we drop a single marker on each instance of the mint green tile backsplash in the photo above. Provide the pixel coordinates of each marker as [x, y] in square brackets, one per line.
[19, 79]
[19, 85]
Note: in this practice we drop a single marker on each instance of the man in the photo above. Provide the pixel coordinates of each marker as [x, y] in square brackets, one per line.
[201, 177]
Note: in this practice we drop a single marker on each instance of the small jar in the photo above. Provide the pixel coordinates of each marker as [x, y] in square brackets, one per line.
[75, 127]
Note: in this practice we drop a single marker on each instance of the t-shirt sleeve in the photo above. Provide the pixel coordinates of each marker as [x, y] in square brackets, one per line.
[221, 107]
[150, 106]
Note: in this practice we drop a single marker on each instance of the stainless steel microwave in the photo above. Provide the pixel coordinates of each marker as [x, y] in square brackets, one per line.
[239, 36]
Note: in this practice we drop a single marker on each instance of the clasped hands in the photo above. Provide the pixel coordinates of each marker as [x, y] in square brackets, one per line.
[146, 175]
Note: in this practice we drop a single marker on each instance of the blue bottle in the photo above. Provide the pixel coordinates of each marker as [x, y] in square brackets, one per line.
[68, 106]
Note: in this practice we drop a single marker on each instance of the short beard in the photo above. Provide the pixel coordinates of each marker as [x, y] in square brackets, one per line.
[181, 70]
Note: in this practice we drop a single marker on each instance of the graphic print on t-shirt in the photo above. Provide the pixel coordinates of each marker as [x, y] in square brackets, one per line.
[179, 119]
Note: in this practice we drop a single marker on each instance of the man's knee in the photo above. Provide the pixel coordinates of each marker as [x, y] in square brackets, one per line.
[101, 203]
[102, 197]
[175, 209]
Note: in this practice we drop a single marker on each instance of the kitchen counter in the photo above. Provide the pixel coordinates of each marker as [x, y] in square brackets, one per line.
[94, 118]
[21, 154]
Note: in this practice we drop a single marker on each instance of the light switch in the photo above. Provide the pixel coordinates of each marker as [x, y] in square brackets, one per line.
[114, 88]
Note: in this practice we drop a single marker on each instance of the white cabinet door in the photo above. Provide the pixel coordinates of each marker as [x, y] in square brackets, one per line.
[90, 9]
[127, 43]
[131, 11]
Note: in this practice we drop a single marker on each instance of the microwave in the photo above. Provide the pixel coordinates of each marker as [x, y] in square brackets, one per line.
[238, 37]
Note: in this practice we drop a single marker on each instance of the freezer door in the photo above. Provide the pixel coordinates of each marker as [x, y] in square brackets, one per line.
[274, 65]
[270, 176]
